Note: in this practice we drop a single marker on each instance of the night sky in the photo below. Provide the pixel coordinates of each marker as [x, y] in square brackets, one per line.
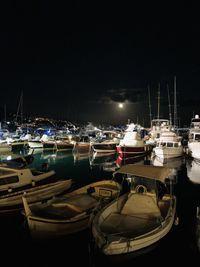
[78, 64]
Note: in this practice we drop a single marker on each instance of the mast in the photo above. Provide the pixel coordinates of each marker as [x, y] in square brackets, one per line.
[158, 115]
[20, 108]
[175, 107]
[5, 113]
[150, 114]
[170, 113]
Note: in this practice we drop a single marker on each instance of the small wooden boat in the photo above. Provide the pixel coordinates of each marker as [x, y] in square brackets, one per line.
[12, 202]
[69, 213]
[139, 218]
[17, 179]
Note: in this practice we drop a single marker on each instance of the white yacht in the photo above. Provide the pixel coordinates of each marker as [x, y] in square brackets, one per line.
[168, 145]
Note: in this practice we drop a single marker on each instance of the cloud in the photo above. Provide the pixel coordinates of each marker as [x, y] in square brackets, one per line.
[119, 95]
[133, 95]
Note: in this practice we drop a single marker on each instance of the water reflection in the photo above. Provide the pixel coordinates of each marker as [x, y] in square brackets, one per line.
[193, 174]
[193, 170]
[80, 155]
[183, 242]
[131, 160]
[188, 199]
[172, 163]
[104, 161]
[198, 229]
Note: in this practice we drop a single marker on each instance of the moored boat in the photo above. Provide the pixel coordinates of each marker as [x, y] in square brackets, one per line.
[17, 179]
[132, 144]
[139, 218]
[69, 213]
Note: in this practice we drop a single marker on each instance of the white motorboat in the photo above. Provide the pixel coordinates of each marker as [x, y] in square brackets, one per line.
[168, 145]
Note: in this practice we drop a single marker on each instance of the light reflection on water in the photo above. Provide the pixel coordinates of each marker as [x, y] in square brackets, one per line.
[181, 242]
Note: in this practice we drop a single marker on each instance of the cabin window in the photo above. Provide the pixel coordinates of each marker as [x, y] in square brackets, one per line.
[163, 144]
[197, 137]
[9, 180]
[169, 144]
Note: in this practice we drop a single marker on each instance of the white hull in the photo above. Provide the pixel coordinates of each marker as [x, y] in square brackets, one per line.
[13, 201]
[166, 152]
[35, 144]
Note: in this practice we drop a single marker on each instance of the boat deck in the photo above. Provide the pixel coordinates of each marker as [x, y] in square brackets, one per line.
[68, 208]
[130, 226]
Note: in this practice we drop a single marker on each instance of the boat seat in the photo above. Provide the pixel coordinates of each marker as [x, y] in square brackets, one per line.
[141, 205]
[68, 208]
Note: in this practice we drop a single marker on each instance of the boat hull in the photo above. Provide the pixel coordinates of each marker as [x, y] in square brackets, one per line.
[131, 151]
[123, 244]
[70, 213]
[167, 153]
[12, 202]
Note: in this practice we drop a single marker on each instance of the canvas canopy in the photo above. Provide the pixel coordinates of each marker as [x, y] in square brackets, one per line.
[147, 171]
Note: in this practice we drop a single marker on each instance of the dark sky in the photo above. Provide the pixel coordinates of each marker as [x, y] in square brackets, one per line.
[78, 64]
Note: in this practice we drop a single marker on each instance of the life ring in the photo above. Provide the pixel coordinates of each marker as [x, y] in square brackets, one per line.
[140, 189]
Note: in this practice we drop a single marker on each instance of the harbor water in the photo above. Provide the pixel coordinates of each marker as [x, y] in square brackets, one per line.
[181, 244]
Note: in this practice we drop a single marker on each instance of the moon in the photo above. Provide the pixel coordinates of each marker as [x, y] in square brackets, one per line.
[120, 105]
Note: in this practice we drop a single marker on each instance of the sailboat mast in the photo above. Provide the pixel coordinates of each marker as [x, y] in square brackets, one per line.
[5, 113]
[20, 107]
[150, 114]
[158, 115]
[170, 114]
[175, 107]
